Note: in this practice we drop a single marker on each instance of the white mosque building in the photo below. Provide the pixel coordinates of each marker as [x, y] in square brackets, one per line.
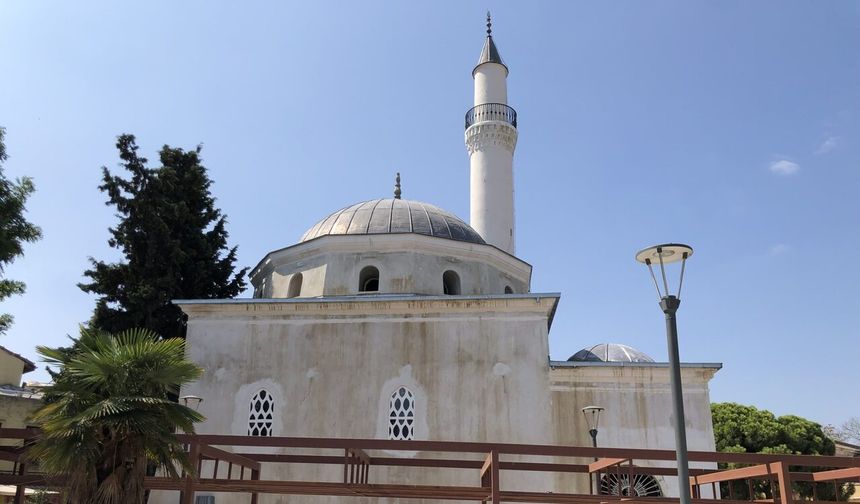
[394, 306]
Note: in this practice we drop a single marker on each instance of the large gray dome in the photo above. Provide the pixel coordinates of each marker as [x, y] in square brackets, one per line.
[610, 352]
[393, 215]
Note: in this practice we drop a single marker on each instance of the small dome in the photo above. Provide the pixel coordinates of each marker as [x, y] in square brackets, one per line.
[393, 215]
[610, 352]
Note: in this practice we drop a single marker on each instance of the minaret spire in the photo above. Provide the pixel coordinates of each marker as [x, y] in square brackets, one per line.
[490, 53]
[397, 191]
[491, 136]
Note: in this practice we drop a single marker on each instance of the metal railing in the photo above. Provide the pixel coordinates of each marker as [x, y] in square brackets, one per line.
[491, 112]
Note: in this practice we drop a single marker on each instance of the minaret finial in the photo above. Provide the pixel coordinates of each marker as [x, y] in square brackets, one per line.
[397, 186]
[489, 25]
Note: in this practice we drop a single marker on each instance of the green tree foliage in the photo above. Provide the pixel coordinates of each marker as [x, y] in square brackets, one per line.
[108, 414]
[746, 429]
[173, 238]
[14, 228]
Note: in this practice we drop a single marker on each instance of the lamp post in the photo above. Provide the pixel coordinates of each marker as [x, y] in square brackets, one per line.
[663, 255]
[592, 419]
[191, 401]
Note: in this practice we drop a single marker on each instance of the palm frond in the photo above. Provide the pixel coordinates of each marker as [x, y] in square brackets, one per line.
[110, 413]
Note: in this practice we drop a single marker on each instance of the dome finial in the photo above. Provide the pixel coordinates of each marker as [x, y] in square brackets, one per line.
[397, 191]
[489, 25]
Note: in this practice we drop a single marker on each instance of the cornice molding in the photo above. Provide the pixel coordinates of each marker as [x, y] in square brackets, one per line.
[389, 306]
[486, 134]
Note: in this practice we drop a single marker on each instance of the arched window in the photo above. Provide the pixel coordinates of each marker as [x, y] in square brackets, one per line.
[260, 416]
[295, 287]
[401, 415]
[368, 279]
[451, 283]
[644, 485]
[508, 289]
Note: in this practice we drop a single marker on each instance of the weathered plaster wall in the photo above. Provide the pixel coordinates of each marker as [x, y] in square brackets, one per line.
[408, 263]
[478, 369]
[11, 369]
[638, 413]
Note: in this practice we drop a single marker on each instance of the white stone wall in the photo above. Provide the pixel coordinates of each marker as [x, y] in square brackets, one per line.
[638, 404]
[491, 147]
[408, 264]
[491, 178]
[477, 367]
[491, 84]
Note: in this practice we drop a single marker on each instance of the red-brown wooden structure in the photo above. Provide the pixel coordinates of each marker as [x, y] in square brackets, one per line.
[487, 461]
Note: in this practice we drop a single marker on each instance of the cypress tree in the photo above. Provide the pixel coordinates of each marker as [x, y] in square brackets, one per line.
[173, 239]
[15, 229]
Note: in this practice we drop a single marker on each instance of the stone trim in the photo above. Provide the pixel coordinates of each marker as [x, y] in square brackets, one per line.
[539, 305]
[487, 134]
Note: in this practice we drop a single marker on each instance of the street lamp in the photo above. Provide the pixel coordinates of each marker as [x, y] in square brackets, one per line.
[592, 418]
[191, 401]
[663, 255]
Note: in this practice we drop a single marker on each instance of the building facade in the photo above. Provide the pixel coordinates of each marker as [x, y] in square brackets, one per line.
[18, 401]
[395, 319]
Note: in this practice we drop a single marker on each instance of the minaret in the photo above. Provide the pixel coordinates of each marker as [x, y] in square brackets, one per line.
[491, 136]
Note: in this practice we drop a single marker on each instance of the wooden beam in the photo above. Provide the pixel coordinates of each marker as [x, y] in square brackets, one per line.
[518, 449]
[361, 454]
[255, 476]
[187, 494]
[20, 490]
[852, 473]
[210, 452]
[732, 474]
[604, 463]
[784, 481]
[490, 476]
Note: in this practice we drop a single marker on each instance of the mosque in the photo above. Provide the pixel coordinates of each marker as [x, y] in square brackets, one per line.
[395, 319]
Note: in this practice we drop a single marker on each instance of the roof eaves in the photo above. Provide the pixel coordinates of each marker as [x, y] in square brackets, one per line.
[568, 364]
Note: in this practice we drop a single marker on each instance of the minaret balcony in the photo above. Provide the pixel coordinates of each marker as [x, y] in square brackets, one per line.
[491, 112]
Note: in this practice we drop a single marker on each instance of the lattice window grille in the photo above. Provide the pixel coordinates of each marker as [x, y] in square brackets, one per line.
[401, 416]
[644, 485]
[260, 414]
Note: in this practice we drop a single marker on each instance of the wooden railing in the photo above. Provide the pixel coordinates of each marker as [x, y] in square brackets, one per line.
[487, 462]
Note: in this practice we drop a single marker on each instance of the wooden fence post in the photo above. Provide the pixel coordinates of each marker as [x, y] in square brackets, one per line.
[20, 488]
[255, 476]
[187, 495]
[784, 480]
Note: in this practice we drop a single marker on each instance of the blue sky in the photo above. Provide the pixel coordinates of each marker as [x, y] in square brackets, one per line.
[732, 126]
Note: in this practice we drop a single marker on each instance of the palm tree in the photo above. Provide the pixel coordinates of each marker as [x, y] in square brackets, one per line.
[108, 415]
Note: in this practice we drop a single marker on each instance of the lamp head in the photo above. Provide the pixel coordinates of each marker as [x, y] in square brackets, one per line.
[664, 254]
[191, 401]
[592, 416]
